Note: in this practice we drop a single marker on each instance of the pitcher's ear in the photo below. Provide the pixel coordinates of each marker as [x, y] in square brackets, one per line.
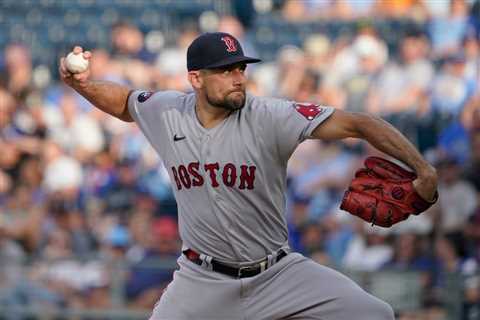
[195, 79]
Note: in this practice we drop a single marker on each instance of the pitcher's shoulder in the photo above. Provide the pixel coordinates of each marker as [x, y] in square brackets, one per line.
[168, 99]
[256, 103]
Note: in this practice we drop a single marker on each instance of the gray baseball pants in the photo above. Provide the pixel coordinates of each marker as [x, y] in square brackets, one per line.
[293, 288]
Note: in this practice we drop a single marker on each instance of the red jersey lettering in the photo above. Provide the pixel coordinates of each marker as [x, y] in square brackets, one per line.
[184, 177]
[247, 177]
[197, 180]
[211, 168]
[229, 175]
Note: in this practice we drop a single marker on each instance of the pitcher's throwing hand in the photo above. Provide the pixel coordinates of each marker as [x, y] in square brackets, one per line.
[75, 79]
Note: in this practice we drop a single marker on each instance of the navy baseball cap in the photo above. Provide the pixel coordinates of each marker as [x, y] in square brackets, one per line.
[215, 50]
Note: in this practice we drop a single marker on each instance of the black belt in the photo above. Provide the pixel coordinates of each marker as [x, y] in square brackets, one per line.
[241, 272]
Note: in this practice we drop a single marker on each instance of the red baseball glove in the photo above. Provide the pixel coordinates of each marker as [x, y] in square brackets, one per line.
[382, 193]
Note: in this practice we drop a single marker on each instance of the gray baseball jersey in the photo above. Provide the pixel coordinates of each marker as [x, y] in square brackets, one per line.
[229, 181]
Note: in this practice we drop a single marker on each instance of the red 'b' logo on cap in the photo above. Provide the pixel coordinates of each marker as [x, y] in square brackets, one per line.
[230, 43]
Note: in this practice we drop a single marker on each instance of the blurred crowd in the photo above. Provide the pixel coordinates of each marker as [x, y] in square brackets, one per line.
[82, 193]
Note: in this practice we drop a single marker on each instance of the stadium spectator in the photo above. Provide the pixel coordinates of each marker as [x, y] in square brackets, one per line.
[340, 230]
[450, 90]
[120, 196]
[312, 239]
[146, 281]
[294, 11]
[77, 133]
[452, 261]
[471, 49]
[403, 85]
[102, 67]
[128, 42]
[472, 168]
[129, 55]
[370, 55]
[318, 53]
[173, 73]
[448, 31]
[17, 73]
[411, 253]
[368, 251]
[459, 198]
[401, 9]
[22, 219]
[61, 172]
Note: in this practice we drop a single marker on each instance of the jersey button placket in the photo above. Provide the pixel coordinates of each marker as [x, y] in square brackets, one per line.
[206, 147]
[205, 150]
[205, 154]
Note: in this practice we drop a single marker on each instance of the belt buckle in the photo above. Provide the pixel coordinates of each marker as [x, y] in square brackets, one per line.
[243, 269]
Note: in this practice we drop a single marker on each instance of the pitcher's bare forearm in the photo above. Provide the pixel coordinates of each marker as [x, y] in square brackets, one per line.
[107, 96]
[385, 138]
[379, 133]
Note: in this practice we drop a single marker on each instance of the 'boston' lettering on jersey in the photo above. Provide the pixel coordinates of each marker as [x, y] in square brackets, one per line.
[189, 176]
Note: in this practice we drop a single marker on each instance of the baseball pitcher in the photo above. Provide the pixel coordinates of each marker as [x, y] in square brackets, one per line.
[226, 152]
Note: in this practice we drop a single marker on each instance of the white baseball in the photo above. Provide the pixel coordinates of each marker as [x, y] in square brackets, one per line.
[76, 63]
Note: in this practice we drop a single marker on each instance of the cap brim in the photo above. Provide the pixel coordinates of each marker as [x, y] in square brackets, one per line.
[232, 60]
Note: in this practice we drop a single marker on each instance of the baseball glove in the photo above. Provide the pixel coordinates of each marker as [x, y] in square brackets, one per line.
[382, 193]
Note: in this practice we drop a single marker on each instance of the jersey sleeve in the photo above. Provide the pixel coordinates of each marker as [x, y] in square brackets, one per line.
[146, 107]
[293, 122]
[149, 110]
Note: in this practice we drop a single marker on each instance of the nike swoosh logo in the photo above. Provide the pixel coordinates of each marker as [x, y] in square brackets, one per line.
[176, 138]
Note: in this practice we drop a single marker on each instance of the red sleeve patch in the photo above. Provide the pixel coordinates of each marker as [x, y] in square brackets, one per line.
[309, 110]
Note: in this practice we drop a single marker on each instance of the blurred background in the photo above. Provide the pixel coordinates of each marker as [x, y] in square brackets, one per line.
[88, 224]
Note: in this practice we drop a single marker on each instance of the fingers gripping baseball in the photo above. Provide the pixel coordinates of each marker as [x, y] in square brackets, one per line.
[74, 68]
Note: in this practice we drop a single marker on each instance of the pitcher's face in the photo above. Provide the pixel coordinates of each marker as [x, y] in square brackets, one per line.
[225, 87]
